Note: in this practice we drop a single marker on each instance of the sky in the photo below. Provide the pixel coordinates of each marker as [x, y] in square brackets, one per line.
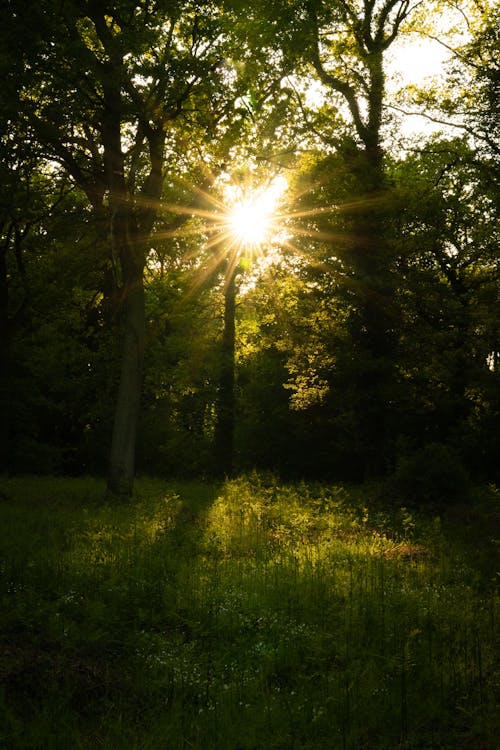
[417, 60]
[414, 63]
[414, 59]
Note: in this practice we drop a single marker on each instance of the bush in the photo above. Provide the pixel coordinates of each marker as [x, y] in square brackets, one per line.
[434, 474]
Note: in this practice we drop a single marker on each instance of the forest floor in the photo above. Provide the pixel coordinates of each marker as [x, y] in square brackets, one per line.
[245, 615]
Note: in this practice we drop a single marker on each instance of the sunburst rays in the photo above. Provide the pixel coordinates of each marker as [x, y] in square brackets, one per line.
[248, 222]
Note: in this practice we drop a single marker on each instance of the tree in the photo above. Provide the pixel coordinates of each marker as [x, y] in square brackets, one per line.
[343, 45]
[30, 196]
[103, 88]
[466, 99]
[447, 242]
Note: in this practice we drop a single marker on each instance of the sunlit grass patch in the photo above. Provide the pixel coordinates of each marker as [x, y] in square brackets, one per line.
[369, 610]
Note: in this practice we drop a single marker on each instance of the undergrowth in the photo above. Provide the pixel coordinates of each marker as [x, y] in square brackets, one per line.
[243, 616]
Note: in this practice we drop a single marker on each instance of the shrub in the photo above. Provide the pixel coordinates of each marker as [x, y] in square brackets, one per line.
[434, 474]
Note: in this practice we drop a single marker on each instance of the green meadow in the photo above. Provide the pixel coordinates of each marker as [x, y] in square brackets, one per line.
[245, 615]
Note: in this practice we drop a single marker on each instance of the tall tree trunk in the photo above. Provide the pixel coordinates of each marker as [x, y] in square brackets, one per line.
[224, 430]
[125, 249]
[373, 317]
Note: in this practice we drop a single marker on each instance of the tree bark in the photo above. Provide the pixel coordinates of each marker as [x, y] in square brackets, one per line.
[125, 248]
[224, 430]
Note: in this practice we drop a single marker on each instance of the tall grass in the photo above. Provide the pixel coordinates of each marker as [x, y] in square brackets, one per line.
[243, 616]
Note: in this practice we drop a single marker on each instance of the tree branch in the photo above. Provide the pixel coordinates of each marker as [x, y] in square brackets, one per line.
[332, 81]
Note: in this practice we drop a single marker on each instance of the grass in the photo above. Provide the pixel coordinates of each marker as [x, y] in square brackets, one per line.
[249, 615]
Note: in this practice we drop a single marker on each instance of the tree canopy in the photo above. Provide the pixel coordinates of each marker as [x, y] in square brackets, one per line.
[138, 330]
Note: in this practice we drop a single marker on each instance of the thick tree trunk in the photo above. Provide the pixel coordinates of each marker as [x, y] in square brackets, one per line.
[125, 249]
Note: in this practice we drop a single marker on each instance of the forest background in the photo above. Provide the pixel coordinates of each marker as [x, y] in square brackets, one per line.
[358, 338]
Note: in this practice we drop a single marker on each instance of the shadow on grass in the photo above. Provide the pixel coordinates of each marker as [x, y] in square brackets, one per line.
[87, 589]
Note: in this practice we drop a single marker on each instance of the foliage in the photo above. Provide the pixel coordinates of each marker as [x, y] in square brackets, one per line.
[433, 475]
[468, 100]
[446, 241]
[366, 331]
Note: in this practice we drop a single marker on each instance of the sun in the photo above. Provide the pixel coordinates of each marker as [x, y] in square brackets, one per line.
[251, 216]
[249, 221]
[243, 224]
